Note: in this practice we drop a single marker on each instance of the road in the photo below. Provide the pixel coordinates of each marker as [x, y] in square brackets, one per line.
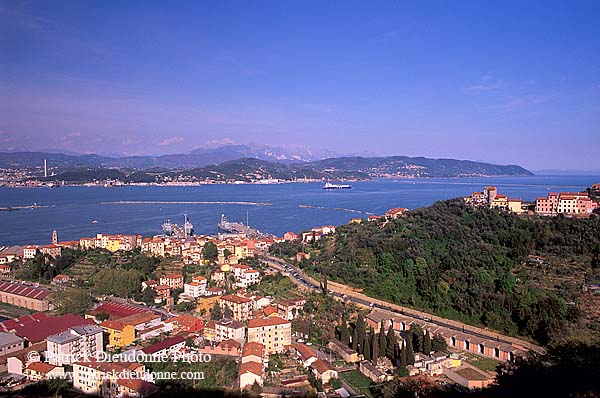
[347, 293]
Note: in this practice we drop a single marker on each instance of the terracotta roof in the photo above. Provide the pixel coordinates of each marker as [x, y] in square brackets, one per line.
[304, 351]
[251, 367]
[24, 290]
[269, 309]
[116, 310]
[161, 345]
[230, 343]
[41, 367]
[114, 325]
[235, 299]
[141, 386]
[42, 328]
[261, 322]
[253, 348]
[321, 366]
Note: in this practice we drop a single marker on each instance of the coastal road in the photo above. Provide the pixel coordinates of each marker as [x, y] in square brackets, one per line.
[349, 294]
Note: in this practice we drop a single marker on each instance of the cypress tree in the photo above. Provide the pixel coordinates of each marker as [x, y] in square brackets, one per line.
[390, 343]
[417, 335]
[344, 333]
[403, 357]
[382, 340]
[367, 349]
[375, 348]
[410, 354]
[427, 343]
[355, 340]
[361, 330]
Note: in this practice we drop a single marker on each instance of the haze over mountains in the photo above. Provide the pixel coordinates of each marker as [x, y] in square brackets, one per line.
[232, 160]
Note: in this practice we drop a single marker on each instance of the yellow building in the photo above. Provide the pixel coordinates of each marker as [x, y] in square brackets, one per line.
[500, 202]
[119, 334]
[207, 303]
[514, 205]
[273, 333]
[112, 245]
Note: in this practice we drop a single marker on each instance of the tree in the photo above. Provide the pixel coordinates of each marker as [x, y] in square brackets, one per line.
[256, 388]
[427, 343]
[227, 312]
[148, 296]
[102, 316]
[382, 339]
[439, 343]
[226, 253]
[210, 252]
[403, 357]
[355, 340]
[417, 337]
[410, 354]
[73, 301]
[374, 348]
[216, 313]
[344, 333]
[367, 348]
[361, 330]
[391, 343]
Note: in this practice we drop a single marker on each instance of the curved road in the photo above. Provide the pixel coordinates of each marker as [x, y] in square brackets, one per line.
[346, 293]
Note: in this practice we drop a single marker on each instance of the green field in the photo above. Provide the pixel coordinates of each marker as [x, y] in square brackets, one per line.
[483, 363]
[359, 382]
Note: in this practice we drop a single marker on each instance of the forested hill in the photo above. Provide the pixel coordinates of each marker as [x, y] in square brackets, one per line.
[471, 265]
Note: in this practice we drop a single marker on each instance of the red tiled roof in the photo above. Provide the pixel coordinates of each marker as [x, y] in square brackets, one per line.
[269, 309]
[230, 343]
[235, 299]
[115, 310]
[251, 367]
[19, 289]
[253, 348]
[321, 366]
[141, 386]
[260, 322]
[304, 351]
[161, 345]
[40, 367]
[40, 329]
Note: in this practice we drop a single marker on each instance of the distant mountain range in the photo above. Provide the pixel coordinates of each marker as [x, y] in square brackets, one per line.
[247, 162]
[196, 158]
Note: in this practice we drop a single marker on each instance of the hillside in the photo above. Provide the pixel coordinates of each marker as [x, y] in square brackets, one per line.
[474, 266]
[233, 161]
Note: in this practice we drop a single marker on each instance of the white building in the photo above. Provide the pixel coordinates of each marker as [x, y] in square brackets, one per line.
[79, 343]
[196, 288]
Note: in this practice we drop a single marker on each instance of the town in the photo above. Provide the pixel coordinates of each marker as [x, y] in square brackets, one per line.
[245, 320]
[571, 204]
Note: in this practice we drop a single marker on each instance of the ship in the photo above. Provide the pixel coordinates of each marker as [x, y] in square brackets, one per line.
[227, 227]
[329, 185]
[175, 230]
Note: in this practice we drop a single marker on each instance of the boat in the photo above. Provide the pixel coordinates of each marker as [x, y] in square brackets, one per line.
[171, 229]
[237, 228]
[329, 185]
[94, 221]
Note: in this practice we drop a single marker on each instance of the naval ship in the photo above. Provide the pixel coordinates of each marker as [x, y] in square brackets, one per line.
[176, 231]
[227, 227]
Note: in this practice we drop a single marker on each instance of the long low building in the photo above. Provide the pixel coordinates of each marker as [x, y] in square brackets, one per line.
[21, 295]
[455, 339]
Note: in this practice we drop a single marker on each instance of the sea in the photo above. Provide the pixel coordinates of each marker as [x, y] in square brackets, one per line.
[76, 212]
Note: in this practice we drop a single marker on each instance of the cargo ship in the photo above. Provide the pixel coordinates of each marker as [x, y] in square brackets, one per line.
[329, 185]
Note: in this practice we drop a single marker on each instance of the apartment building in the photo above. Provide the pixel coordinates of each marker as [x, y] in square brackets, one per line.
[273, 333]
[241, 307]
[75, 344]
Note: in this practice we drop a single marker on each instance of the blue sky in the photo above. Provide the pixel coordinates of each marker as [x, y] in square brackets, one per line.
[504, 82]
